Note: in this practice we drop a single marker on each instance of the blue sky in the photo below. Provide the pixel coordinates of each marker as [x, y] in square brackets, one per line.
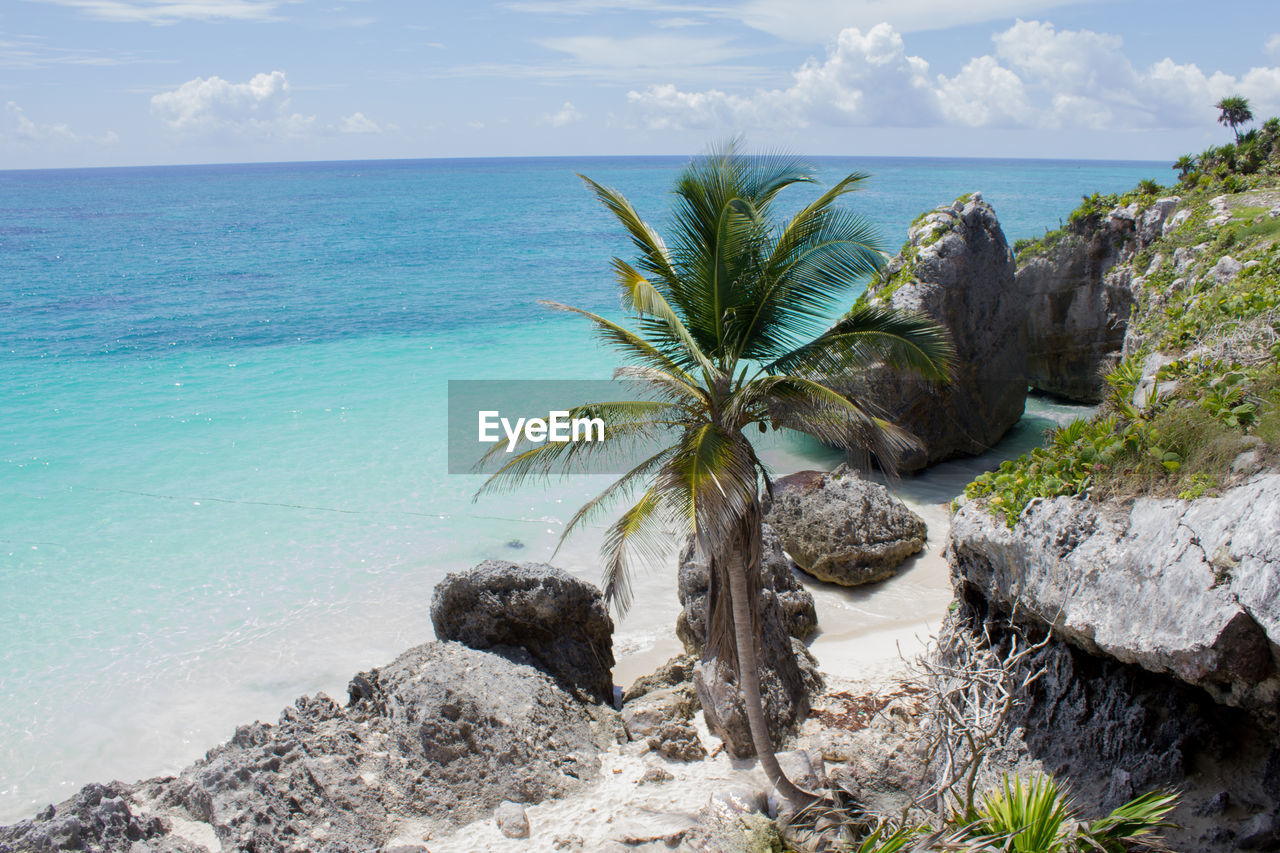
[136, 82]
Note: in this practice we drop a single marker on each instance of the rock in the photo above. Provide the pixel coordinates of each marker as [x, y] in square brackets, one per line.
[512, 820]
[1173, 223]
[674, 673]
[656, 775]
[1185, 588]
[1259, 833]
[1080, 294]
[782, 587]
[1147, 383]
[788, 672]
[440, 736]
[645, 715]
[804, 768]
[843, 529]
[785, 694]
[1153, 219]
[561, 621]
[677, 740]
[98, 818]
[1274, 212]
[956, 268]
[1226, 269]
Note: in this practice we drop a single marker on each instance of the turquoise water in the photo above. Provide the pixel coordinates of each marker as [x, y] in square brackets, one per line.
[222, 443]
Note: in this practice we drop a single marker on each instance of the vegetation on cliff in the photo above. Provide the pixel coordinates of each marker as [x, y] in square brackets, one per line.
[1198, 385]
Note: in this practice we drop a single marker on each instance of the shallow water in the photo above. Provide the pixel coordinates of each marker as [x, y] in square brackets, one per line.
[222, 443]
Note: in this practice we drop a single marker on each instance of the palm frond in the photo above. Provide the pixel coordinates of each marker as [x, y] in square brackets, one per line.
[625, 422]
[643, 532]
[653, 251]
[627, 342]
[868, 334]
[644, 298]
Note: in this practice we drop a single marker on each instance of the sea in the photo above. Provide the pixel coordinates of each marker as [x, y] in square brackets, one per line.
[223, 465]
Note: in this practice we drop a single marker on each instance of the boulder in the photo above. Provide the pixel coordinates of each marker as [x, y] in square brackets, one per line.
[677, 672]
[843, 529]
[955, 268]
[1185, 588]
[439, 737]
[677, 740]
[559, 620]
[788, 673]
[512, 820]
[782, 590]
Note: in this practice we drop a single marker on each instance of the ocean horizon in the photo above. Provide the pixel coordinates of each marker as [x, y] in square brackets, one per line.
[224, 442]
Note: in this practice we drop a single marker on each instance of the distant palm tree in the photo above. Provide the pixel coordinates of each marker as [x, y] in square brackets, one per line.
[1234, 111]
[734, 331]
[1186, 164]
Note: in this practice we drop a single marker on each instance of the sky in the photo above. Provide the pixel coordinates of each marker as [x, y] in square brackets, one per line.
[151, 82]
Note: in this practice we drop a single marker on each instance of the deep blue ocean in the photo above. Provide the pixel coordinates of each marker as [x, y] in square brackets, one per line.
[222, 436]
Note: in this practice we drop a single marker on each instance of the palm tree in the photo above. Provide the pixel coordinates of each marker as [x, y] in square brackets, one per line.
[1186, 164]
[733, 317]
[1234, 111]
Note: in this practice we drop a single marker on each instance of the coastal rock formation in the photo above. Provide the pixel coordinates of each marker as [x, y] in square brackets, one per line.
[561, 621]
[1190, 588]
[956, 268]
[843, 529]
[788, 673]
[1163, 668]
[1078, 295]
[659, 709]
[437, 738]
[99, 818]
[782, 589]
[440, 736]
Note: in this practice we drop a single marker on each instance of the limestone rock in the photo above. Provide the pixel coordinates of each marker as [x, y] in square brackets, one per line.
[956, 268]
[645, 715]
[561, 621]
[99, 818]
[441, 735]
[677, 740]
[782, 589]
[788, 672]
[1187, 588]
[676, 672]
[1226, 269]
[842, 528]
[787, 683]
[512, 820]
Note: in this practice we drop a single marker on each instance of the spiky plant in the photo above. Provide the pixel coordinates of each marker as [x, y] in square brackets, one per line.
[733, 330]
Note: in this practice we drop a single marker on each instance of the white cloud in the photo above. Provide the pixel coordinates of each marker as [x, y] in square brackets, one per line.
[1036, 77]
[357, 122]
[172, 11]
[1273, 46]
[259, 107]
[566, 115]
[16, 126]
[815, 20]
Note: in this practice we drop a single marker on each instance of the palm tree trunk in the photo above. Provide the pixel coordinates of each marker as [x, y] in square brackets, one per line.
[745, 641]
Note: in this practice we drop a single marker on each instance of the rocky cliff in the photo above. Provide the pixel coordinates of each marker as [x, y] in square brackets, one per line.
[1163, 668]
[1078, 294]
[956, 268]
